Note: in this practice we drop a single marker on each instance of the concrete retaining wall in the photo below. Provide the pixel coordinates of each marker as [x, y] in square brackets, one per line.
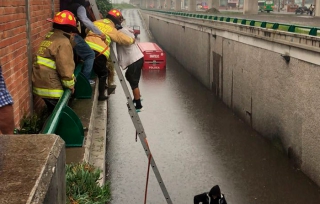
[32, 169]
[245, 68]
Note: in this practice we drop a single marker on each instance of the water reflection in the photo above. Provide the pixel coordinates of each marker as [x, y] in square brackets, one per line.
[153, 75]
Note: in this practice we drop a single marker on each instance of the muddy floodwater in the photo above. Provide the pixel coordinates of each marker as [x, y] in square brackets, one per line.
[197, 142]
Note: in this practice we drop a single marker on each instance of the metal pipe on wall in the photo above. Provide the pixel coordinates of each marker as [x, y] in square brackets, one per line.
[29, 53]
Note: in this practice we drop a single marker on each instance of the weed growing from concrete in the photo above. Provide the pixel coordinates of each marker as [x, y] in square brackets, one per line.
[83, 186]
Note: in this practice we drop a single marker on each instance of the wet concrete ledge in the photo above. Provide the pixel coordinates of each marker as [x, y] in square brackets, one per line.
[93, 114]
[32, 169]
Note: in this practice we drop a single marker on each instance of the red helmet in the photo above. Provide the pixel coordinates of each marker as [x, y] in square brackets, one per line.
[64, 18]
[117, 14]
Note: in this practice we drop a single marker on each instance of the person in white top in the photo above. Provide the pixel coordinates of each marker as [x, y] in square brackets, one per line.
[131, 58]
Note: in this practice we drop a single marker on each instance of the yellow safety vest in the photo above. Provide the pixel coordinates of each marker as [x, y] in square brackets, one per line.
[104, 27]
[103, 50]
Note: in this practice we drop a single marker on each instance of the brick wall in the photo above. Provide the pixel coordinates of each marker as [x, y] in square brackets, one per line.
[40, 10]
[13, 46]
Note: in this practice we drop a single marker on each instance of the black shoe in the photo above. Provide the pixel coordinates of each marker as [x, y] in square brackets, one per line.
[102, 97]
[139, 109]
[137, 105]
[102, 88]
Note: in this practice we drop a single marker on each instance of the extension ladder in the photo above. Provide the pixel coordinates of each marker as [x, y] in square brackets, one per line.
[139, 127]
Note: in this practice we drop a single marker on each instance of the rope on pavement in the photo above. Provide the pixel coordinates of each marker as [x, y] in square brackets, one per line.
[147, 181]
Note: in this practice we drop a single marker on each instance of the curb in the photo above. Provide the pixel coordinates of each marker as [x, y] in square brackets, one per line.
[95, 145]
[88, 140]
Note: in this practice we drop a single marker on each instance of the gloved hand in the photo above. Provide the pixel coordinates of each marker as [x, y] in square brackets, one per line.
[103, 37]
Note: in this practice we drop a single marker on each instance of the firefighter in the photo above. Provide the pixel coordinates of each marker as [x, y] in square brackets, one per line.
[53, 65]
[214, 196]
[102, 47]
[114, 19]
[78, 8]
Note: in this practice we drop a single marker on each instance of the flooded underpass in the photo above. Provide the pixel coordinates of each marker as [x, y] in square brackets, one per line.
[197, 142]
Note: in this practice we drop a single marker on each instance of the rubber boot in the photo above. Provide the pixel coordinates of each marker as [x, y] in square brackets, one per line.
[102, 88]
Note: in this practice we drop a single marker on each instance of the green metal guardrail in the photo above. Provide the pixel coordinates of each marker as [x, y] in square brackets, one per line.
[64, 121]
[313, 31]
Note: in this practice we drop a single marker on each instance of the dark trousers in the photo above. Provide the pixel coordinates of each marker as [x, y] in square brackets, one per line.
[133, 73]
[51, 104]
[100, 65]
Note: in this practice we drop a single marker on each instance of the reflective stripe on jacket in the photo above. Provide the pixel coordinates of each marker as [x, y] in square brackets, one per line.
[47, 93]
[53, 66]
[46, 62]
[103, 49]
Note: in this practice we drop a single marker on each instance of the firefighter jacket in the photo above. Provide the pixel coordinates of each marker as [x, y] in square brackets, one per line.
[107, 27]
[53, 66]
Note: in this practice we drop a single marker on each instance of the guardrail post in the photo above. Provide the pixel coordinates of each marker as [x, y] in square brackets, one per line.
[83, 89]
[70, 128]
[292, 28]
[313, 31]
[64, 121]
[275, 26]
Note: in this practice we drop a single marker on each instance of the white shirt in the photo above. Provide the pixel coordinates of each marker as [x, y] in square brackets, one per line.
[128, 54]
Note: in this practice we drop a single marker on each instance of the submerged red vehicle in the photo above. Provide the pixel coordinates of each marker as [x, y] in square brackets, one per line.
[154, 56]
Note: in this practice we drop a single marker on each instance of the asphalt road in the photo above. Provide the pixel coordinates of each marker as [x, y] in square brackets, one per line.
[197, 142]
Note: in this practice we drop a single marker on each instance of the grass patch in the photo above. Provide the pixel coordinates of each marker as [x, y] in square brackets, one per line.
[32, 124]
[83, 187]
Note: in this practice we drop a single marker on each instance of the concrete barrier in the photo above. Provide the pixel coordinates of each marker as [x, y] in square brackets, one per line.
[32, 169]
[269, 78]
